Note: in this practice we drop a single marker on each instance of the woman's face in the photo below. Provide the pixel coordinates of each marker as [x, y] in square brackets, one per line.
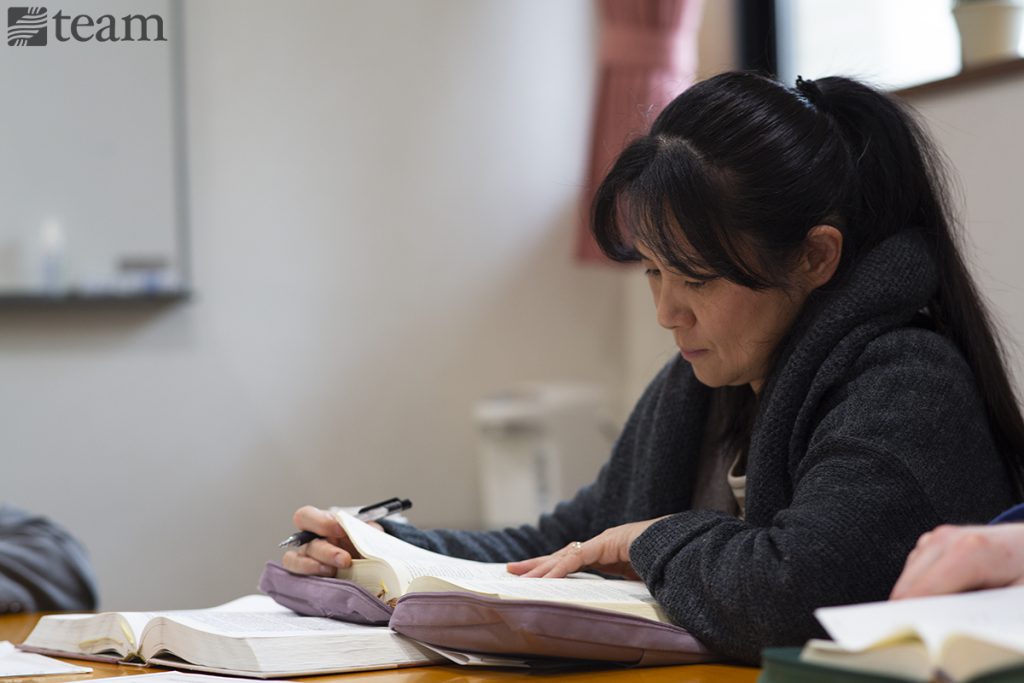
[727, 332]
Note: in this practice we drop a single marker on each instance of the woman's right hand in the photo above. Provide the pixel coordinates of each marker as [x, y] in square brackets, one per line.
[322, 556]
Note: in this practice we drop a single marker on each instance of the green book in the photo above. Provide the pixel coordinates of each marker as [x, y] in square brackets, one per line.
[783, 665]
[966, 638]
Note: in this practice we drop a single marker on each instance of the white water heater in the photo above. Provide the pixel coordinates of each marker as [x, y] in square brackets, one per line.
[539, 444]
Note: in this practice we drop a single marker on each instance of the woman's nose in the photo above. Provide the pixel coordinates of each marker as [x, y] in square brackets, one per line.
[673, 308]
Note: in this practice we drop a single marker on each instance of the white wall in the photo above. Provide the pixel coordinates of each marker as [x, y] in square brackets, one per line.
[383, 203]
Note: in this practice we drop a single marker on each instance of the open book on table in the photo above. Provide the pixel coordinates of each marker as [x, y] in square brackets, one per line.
[475, 607]
[392, 568]
[966, 637]
[252, 636]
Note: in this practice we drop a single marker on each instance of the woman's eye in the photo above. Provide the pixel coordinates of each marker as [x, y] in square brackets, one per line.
[696, 284]
[652, 272]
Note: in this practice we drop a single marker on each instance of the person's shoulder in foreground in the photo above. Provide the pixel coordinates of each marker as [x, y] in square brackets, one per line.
[42, 567]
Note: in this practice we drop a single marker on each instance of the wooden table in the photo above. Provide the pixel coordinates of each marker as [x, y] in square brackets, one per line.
[15, 628]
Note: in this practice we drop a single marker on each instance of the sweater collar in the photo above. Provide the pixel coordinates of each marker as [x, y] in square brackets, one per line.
[891, 283]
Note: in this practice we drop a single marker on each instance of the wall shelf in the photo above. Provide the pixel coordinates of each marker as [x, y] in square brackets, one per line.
[78, 300]
[967, 78]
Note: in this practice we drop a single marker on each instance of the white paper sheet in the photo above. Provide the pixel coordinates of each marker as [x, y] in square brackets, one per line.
[14, 662]
[172, 677]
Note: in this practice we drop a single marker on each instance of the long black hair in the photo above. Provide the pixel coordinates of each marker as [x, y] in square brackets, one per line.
[741, 160]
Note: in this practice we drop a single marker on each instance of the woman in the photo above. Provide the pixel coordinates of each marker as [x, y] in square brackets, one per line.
[826, 406]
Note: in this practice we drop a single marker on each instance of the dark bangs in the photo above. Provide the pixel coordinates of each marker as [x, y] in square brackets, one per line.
[662, 194]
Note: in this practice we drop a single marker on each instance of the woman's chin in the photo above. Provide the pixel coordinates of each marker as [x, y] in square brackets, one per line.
[708, 379]
[715, 380]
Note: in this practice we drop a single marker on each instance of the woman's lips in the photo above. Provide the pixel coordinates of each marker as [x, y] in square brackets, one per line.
[690, 354]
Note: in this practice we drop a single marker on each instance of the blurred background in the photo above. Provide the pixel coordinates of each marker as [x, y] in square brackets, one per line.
[330, 252]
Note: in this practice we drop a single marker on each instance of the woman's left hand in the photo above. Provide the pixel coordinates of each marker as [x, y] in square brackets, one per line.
[608, 552]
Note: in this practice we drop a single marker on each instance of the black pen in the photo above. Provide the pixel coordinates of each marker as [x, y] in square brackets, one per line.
[368, 513]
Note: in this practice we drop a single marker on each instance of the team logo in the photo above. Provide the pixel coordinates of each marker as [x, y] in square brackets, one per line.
[26, 26]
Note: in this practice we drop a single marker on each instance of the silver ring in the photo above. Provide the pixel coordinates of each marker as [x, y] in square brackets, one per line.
[577, 546]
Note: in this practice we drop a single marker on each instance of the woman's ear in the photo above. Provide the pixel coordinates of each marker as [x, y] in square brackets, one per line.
[823, 247]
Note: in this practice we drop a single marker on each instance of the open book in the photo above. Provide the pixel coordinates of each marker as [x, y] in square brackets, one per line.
[252, 636]
[392, 568]
[950, 637]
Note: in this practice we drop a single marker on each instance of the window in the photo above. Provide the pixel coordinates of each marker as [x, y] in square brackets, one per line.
[891, 44]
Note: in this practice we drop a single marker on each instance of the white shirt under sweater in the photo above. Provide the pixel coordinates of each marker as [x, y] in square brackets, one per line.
[721, 478]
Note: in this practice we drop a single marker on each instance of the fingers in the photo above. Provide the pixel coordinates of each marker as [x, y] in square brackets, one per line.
[953, 559]
[328, 554]
[320, 522]
[318, 557]
[608, 551]
[524, 566]
[571, 558]
[927, 550]
[295, 561]
[322, 557]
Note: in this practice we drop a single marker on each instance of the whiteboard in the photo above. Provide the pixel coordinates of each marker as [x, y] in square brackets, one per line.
[92, 167]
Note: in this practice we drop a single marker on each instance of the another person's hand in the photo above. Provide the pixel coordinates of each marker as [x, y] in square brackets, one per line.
[321, 556]
[608, 552]
[951, 559]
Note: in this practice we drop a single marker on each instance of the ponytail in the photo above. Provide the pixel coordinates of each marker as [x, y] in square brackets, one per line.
[903, 182]
[740, 155]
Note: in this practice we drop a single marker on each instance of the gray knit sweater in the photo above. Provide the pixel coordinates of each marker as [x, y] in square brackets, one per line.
[870, 433]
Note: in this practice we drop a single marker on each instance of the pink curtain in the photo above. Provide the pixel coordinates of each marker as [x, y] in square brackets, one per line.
[647, 56]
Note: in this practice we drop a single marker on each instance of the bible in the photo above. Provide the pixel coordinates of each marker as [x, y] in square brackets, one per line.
[478, 607]
[957, 638]
[392, 568]
[252, 636]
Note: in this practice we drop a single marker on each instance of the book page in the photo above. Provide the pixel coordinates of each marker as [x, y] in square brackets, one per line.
[231, 641]
[273, 643]
[249, 603]
[266, 624]
[117, 632]
[996, 615]
[458, 570]
[13, 662]
[906, 658]
[557, 589]
[631, 597]
[235, 624]
[966, 657]
[410, 561]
